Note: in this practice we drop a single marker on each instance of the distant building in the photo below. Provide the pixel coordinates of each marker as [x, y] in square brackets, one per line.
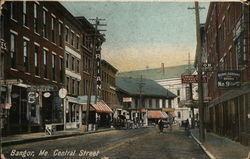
[170, 78]
[142, 95]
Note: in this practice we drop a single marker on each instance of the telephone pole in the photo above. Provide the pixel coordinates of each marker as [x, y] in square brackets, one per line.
[200, 84]
[97, 42]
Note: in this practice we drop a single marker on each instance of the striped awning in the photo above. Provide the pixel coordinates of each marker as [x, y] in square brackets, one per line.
[171, 114]
[155, 114]
[102, 107]
[165, 114]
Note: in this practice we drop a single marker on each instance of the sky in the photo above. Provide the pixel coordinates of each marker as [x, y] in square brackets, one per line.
[143, 35]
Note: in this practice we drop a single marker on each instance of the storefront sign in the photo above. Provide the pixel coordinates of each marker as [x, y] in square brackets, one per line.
[6, 106]
[228, 79]
[10, 81]
[127, 99]
[207, 67]
[31, 97]
[41, 88]
[98, 67]
[62, 93]
[192, 79]
[46, 94]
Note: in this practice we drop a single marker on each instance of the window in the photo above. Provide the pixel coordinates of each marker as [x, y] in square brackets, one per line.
[13, 49]
[53, 67]
[73, 86]
[36, 60]
[72, 38]
[179, 114]
[53, 29]
[67, 61]
[77, 42]
[67, 83]
[13, 9]
[78, 66]
[178, 92]
[35, 17]
[77, 87]
[60, 34]
[157, 103]
[61, 69]
[169, 103]
[25, 13]
[67, 34]
[178, 100]
[163, 103]
[150, 102]
[26, 55]
[45, 52]
[44, 24]
[73, 64]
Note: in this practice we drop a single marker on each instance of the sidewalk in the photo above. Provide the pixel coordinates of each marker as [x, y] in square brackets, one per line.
[33, 137]
[218, 147]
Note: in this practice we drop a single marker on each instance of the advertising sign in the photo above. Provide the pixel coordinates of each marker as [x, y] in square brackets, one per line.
[127, 99]
[192, 79]
[228, 79]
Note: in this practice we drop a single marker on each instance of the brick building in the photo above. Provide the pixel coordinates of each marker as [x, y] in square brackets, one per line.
[35, 58]
[226, 46]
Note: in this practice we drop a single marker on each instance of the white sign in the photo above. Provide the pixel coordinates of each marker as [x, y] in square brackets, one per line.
[46, 94]
[127, 99]
[31, 97]
[62, 93]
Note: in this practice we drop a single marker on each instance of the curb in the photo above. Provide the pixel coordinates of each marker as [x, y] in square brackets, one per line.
[203, 147]
[17, 142]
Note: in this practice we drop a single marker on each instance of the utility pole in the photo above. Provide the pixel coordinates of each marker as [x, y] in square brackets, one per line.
[200, 84]
[140, 91]
[95, 36]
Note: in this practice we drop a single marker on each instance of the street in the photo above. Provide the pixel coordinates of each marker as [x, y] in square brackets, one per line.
[135, 143]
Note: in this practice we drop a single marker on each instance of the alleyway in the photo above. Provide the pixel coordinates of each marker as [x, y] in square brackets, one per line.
[137, 143]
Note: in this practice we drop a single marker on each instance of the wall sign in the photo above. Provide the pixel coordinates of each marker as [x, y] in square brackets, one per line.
[228, 79]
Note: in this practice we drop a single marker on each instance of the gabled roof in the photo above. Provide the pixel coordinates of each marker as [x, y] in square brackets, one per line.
[158, 73]
[149, 87]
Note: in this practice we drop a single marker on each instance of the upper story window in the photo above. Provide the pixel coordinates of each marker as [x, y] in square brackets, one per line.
[78, 66]
[45, 54]
[13, 10]
[53, 66]
[36, 60]
[45, 35]
[157, 103]
[67, 61]
[72, 38]
[67, 34]
[53, 29]
[77, 42]
[13, 49]
[178, 92]
[73, 64]
[61, 68]
[26, 55]
[73, 86]
[35, 17]
[60, 29]
[25, 13]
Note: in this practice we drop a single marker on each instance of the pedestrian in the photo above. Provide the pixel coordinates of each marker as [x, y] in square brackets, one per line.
[161, 125]
[187, 125]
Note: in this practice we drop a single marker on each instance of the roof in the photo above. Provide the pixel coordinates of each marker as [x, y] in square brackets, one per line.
[158, 73]
[149, 87]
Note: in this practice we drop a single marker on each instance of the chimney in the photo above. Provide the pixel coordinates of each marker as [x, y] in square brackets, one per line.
[162, 68]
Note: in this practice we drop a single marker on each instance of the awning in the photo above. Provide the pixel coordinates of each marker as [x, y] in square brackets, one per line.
[143, 110]
[171, 114]
[154, 114]
[102, 107]
[165, 114]
[84, 108]
[168, 109]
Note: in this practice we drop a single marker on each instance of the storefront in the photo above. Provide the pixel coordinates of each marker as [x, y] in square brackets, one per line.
[73, 113]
